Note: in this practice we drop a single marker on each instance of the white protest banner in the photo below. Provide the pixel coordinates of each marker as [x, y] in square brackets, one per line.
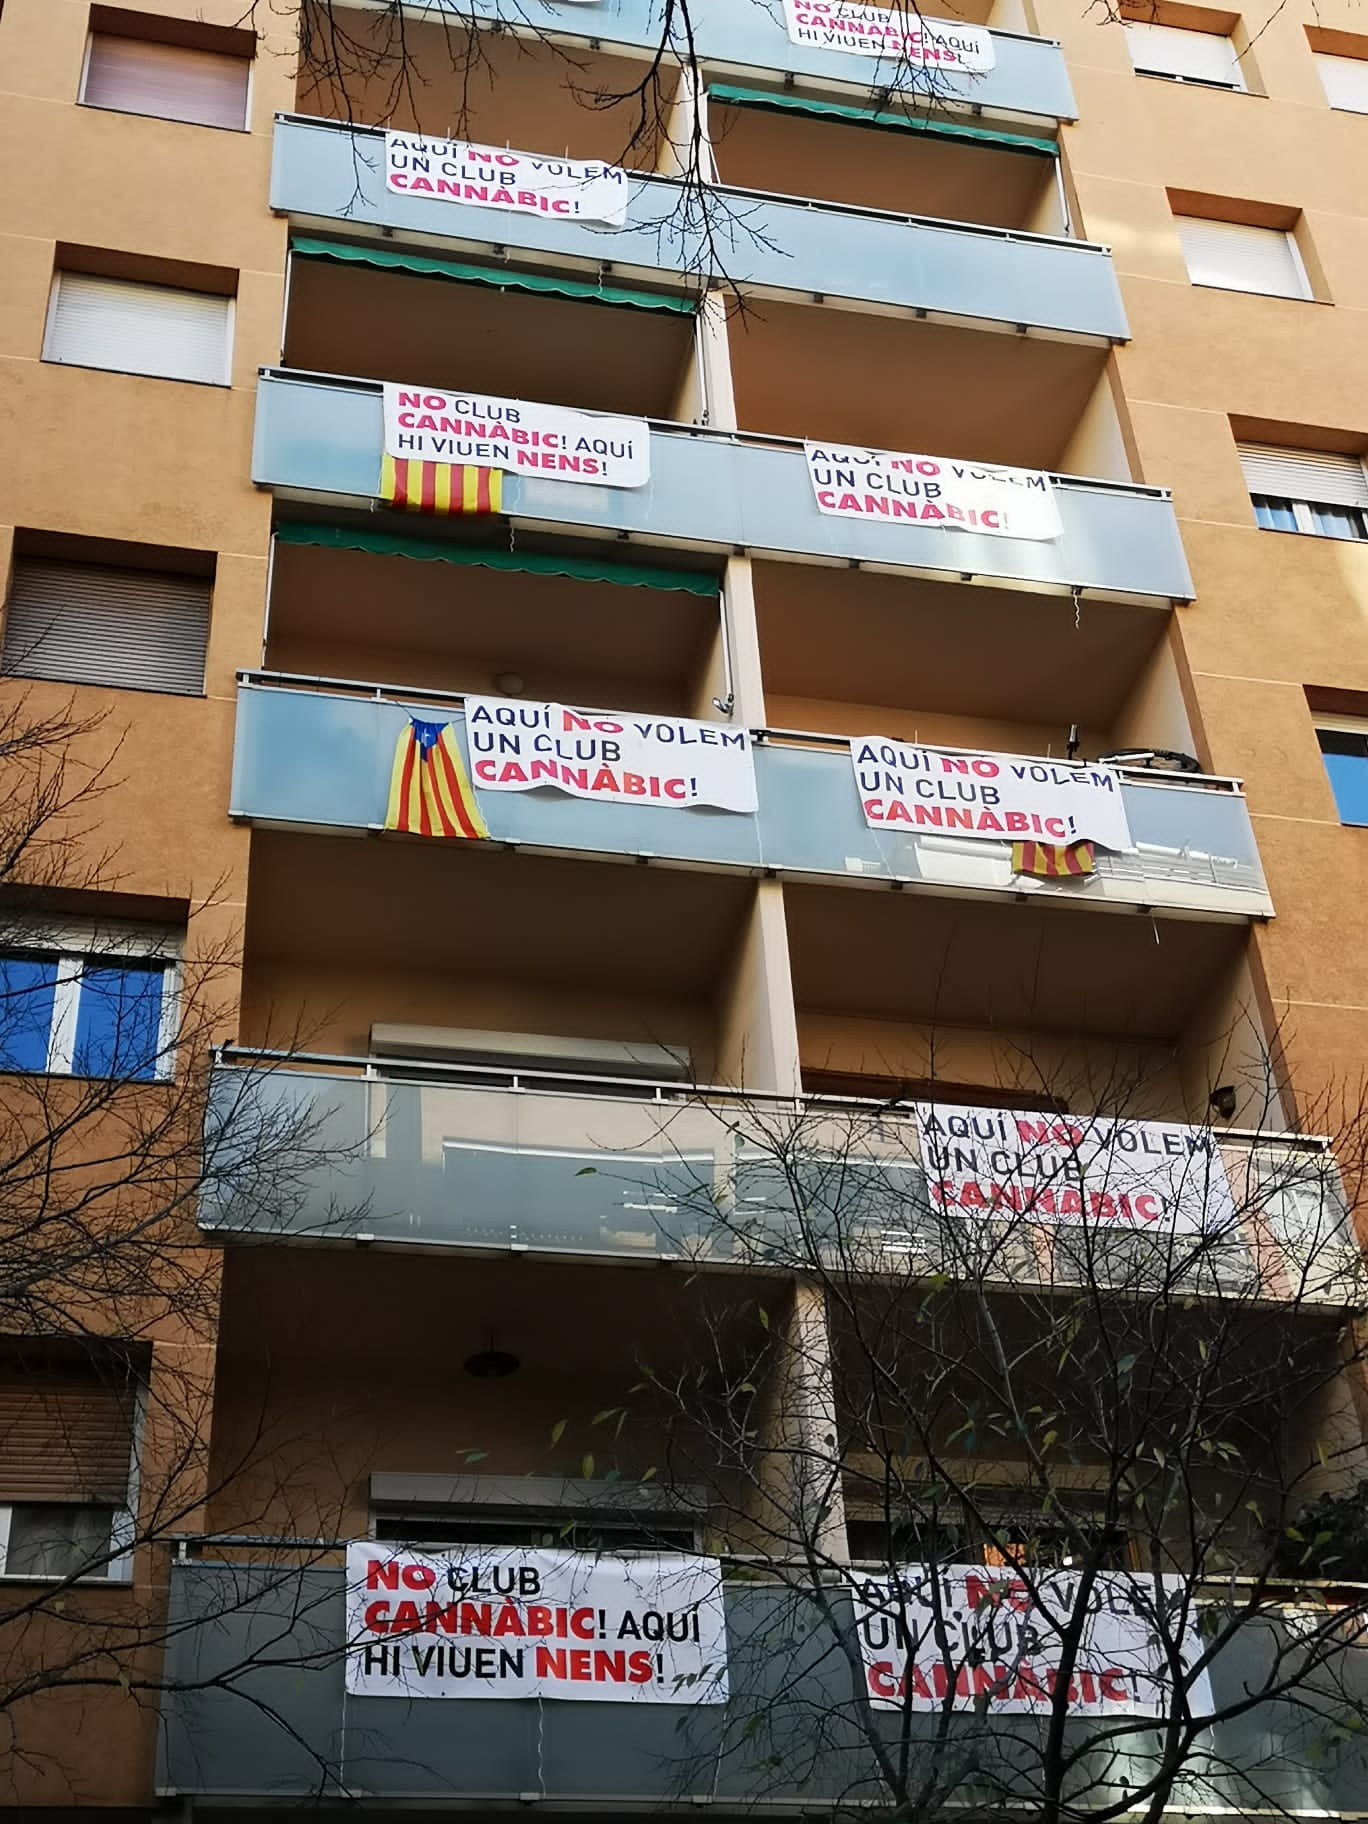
[899, 34]
[491, 433]
[489, 1621]
[1071, 1169]
[985, 1636]
[492, 177]
[616, 758]
[933, 491]
[1001, 797]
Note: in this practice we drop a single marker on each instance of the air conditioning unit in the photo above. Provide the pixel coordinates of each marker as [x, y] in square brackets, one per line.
[532, 1051]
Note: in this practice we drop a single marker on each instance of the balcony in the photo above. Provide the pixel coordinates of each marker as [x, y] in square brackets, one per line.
[319, 438]
[254, 1709]
[326, 173]
[498, 1160]
[1029, 76]
[323, 759]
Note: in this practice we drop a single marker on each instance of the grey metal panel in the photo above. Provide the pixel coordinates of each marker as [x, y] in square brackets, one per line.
[323, 170]
[319, 437]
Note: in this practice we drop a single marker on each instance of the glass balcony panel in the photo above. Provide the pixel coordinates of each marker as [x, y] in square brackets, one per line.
[318, 437]
[1029, 75]
[324, 171]
[613, 1169]
[253, 1705]
[324, 760]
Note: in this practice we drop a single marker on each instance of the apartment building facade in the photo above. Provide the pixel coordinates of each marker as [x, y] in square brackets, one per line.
[630, 591]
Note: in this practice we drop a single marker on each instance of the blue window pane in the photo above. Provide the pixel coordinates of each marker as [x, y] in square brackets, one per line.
[1274, 515]
[27, 985]
[1349, 782]
[118, 1022]
[1338, 522]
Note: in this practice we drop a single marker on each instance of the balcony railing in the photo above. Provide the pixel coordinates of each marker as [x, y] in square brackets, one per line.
[323, 758]
[1029, 75]
[322, 434]
[324, 171]
[417, 1155]
[254, 1708]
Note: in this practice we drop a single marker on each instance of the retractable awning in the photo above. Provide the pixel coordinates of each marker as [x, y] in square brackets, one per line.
[395, 259]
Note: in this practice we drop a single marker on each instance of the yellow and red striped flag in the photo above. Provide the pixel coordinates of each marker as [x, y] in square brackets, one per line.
[439, 487]
[1048, 862]
[430, 794]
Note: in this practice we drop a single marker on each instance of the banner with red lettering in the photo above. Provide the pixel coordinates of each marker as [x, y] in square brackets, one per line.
[993, 1641]
[901, 35]
[1000, 797]
[492, 177]
[489, 1621]
[548, 441]
[612, 758]
[936, 491]
[1073, 1168]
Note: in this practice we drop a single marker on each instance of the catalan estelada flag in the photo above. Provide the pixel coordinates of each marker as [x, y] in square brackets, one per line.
[1047, 862]
[440, 487]
[429, 793]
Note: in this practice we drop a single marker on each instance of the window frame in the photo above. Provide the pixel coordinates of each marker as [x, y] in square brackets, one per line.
[212, 126]
[118, 1559]
[141, 373]
[1338, 107]
[1239, 86]
[1303, 512]
[74, 946]
[1305, 295]
[1340, 725]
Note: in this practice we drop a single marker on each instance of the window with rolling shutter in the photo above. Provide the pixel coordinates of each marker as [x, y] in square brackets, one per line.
[1182, 55]
[136, 328]
[171, 81]
[1238, 257]
[99, 624]
[1311, 491]
[1345, 81]
[66, 1433]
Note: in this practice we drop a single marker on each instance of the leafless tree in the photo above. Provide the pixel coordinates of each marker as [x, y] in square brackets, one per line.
[109, 1155]
[1020, 1447]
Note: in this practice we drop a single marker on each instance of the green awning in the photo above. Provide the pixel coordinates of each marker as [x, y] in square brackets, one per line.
[395, 259]
[530, 563]
[793, 100]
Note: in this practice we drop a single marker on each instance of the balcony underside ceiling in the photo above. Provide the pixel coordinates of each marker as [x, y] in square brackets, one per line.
[1051, 968]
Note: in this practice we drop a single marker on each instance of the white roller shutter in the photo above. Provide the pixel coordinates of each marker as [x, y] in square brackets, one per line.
[1238, 257]
[1313, 475]
[1167, 50]
[1345, 81]
[168, 80]
[95, 624]
[138, 329]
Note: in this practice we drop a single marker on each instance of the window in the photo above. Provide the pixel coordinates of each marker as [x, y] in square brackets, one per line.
[65, 1013]
[103, 624]
[1345, 751]
[172, 81]
[1311, 491]
[135, 328]
[67, 1429]
[600, 1533]
[529, 1511]
[1002, 1530]
[1345, 81]
[1182, 55]
[1238, 257]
